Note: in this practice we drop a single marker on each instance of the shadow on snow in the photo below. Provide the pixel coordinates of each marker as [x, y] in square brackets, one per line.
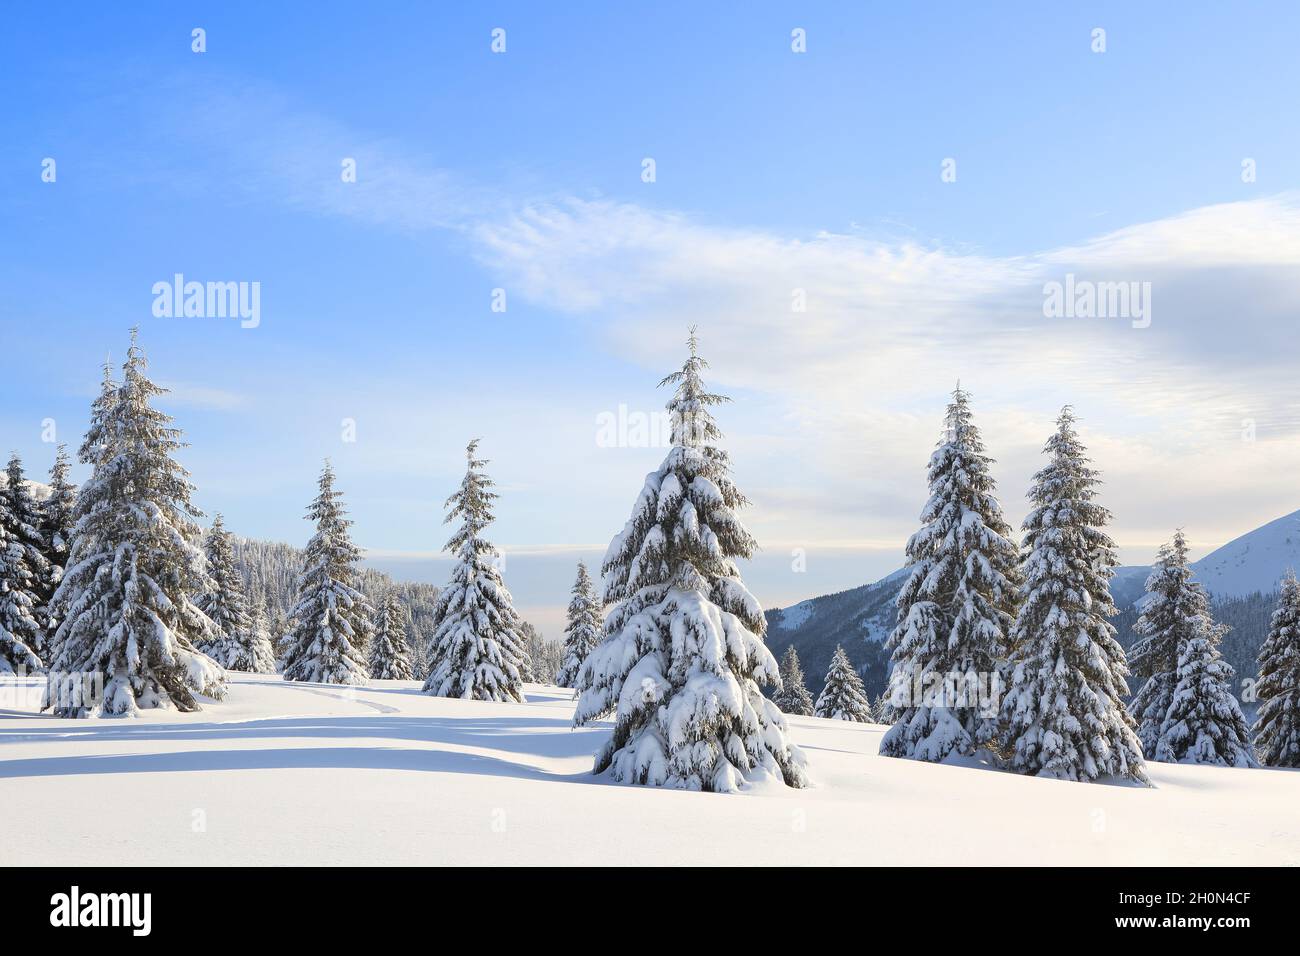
[525, 736]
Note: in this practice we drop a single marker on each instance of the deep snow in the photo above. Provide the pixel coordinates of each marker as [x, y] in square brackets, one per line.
[310, 774]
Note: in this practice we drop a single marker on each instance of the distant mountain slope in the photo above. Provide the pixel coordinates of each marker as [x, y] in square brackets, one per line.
[860, 619]
[1242, 577]
[1255, 562]
[38, 491]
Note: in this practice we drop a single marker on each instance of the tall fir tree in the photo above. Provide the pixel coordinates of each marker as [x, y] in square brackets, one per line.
[260, 651]
[422, 664]
[1172, 611]
[330, 625]
[544, 657]
[793, 697]
[1063, 711]
[1277, 727]
[881, 710]
[57, 515]
[957, 606]
[530, 641]
[231, 644]
[1204, 723]
[20, 632]
[23, 568]
[584, 628]
[390, 656]
[844, 697]
[95, 448]
[479, 646]
[683, 656]
[127, 601]
[281, 638]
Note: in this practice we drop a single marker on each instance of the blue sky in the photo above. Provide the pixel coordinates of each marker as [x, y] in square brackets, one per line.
[774, 171]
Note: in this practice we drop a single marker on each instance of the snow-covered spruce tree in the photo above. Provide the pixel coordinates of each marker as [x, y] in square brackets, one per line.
[330, 625]
[1171, 614]
[19, 630]
[544, 657]
[94, 449]
[956, 607]
[225, 604]
[843, 697]
[683, 655]
[57, 515]
[1063, 712]
[260, 650]
[126, 603]
[793, 697]
[1277, 728]
[390, 658]
[281, 638]
[1170, 611]
[419, 657]
[530, 643]
[1204, 723]
[22, 569]
[479, 647]
[881, 710]
[583, 631]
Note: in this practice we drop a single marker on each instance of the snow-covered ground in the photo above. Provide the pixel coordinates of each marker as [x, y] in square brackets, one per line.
[309, 774]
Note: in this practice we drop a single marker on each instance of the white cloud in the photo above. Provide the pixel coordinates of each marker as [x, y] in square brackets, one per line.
[853, 388]
[890, 327]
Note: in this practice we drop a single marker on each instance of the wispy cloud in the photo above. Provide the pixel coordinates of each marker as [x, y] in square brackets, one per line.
[889, 323]
[202, 396]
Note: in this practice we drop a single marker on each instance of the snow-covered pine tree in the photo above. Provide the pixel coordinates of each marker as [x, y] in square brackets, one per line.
[583, 631]
[1277, 727]
[957, 606]
[20, 632]
[544, 657]
[529, 640]
[793, 697]
[881, 711]
[330, 626]
[843, 697]
[57, 515]
[419, 658]
[94, 449]
[29, 571]
[683, 655]
[1171, 611]
[389, 654]
[225, 604]
[261, 651]
[1063, 712]
[1204, 723]
[281, 638]
[126, 603]
[479, 647]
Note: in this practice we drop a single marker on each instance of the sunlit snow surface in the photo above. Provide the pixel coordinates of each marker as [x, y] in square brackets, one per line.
[307, 774]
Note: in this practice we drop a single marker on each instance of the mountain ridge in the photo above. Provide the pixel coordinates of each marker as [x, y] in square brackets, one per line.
[1238, 575]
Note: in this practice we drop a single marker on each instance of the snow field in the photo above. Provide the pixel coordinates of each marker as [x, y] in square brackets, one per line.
[285, 773]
